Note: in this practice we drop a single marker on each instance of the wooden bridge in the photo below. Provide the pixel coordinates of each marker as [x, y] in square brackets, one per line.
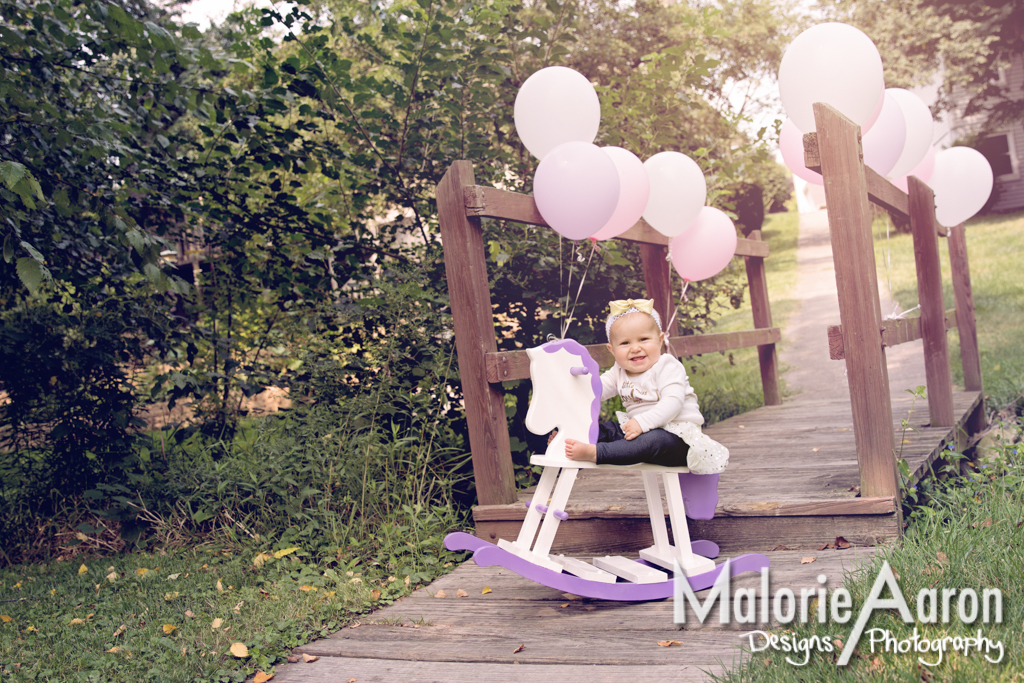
[800, 474]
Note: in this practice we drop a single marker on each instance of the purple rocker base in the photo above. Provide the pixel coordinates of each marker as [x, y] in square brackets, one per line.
[486, 554]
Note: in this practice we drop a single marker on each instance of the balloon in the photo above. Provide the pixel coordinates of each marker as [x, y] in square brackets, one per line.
[576, 188]
[705, 247]
[634, 189]
[556, 105]
[883, 144]
[678, 191]
[870, 123]
[923, 171]
[962, 182]
[832, 63]
[791, 144]
[919, 130]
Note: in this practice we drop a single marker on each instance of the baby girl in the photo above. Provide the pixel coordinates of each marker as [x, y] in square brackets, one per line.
[662, 422]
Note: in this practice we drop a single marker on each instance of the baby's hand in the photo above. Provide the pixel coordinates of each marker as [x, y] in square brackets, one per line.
[632, 430]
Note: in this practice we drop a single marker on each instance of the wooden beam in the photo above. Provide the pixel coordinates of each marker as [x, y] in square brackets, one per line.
[490, 202]
[894, 331]
[880, 191]
[505, 366]
[961, 276]
[473, 320]
[658, 280]
[849, 219]
[929, 295]
[760, 306]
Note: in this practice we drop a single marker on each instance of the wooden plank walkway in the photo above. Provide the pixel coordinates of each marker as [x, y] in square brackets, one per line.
[478, 637]
[792, 480]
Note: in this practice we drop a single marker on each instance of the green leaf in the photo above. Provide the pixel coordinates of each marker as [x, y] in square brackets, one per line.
[9, 248]
[33, 252]
[12, 172]
[30, 273]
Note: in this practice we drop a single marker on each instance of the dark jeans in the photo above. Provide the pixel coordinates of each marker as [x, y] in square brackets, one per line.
[656, 447]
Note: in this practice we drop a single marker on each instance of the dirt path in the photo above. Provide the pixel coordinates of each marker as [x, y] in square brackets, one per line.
[809, 372]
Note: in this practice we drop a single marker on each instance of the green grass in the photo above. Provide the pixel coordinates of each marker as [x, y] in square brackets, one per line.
[730, 383]
[994, 246]
[966, 532]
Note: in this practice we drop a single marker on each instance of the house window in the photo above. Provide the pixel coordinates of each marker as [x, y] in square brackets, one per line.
[999, 151]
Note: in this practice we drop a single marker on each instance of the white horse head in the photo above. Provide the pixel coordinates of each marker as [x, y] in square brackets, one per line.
[566, 394]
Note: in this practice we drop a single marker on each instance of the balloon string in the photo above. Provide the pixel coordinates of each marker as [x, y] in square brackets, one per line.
[568, 320]
[672, 319]
[568, 286]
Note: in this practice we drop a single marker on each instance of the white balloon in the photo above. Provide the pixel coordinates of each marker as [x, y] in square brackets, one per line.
[678, 191]
[832, 63]
[962, 181]
[919, 130]
[556, 105]
[884, 143]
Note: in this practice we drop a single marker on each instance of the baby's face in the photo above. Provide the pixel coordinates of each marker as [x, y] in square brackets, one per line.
[636, 342]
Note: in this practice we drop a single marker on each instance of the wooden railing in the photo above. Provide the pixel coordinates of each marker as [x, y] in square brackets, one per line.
[861, 338]
[482, 367]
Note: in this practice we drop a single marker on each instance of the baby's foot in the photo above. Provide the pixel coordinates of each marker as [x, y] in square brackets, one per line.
[579, 451]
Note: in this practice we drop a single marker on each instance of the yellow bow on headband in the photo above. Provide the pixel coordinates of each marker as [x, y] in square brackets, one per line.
[622, 305]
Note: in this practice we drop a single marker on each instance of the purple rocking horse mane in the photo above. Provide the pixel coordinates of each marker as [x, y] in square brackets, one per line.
[592, 369]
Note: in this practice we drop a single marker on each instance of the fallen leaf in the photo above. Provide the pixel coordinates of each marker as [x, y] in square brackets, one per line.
[808, 560]
[355, 625]
[351, 680]
[237, 609]
[486, 590]
[260, 559]
[281, 553]
[461, 594]
[264, 593]
[220, 586]
[842, 543]
[217, 623]
[113, 650]
[570, 596]
[669, 643]
[440, 594]
[564, 604]
[83, 569]
[5, 619]
[814, 450]
[262, 677]
[112, 577]
[141, 571]
[780, 547]
[309, 659]
[189, 614]
[120, 629]
[375, 594]
[519, 649]
[171, 596]
[75, 622]
[239, 650]
[307, 588]
[838, 643]
[293, 659]
[942, 556]
[983, 525]
[169, 628]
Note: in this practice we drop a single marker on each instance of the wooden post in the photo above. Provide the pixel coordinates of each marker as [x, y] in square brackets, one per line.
[929, 296]
[961, 276]
[849, 220]
[470, 295]
[757, 281]
[658, 280]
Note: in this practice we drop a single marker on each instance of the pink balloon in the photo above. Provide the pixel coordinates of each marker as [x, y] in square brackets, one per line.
[791, 143]
[634, 189]
[704, 248]
[883, 144]
[923, 171]
[576, 188]
[875, 114]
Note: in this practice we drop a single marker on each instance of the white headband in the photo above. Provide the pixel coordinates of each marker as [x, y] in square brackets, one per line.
[632, 309]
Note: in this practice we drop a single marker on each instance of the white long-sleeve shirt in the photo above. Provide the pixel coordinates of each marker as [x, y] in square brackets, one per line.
[656, 397]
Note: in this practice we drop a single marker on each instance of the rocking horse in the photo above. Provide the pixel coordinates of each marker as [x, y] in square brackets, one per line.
[567, 397]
